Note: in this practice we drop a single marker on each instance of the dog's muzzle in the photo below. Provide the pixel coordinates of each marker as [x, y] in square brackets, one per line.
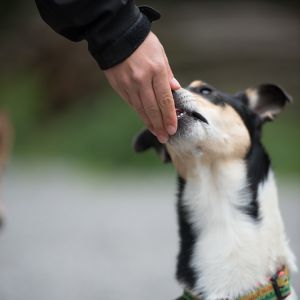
[182, 99]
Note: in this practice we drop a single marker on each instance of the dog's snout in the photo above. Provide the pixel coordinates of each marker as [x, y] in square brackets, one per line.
[176, 97]
[181, 96]
[175, 94]
[179, 91]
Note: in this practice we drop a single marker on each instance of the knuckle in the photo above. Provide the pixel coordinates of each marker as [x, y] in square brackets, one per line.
[166, 100]
[160, 71]
[123, 81]
[152, 111]
[157, 67]
[137, 77]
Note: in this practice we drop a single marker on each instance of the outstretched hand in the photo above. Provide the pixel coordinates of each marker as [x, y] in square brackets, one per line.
[145, 81]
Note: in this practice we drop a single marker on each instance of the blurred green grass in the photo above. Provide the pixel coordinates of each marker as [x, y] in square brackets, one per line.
[99, 133]
[282, 140]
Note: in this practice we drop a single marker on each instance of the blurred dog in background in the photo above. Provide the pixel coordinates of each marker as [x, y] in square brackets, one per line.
[5, 146]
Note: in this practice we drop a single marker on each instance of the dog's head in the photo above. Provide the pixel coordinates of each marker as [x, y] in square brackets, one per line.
[216, 126]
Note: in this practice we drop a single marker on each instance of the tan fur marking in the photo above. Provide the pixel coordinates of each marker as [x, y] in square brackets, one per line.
[183, 163]
[236, 139]
[252, 96]
[196, 83]
[226, 138]
[236, 130]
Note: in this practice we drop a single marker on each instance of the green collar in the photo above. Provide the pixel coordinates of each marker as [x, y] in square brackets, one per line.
[278, 288]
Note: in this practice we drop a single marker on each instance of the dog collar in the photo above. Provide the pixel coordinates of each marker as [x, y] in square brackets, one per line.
[278, 288]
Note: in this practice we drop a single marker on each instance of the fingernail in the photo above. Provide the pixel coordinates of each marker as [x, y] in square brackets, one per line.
[175, 84]
[162, 139]
[171, 130]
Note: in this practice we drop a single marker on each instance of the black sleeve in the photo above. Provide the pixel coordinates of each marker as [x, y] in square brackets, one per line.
[113, 28]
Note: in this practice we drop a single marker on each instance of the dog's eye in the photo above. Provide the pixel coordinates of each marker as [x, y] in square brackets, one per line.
[205, 91]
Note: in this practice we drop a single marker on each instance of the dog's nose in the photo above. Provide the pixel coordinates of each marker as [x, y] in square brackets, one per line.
[176, 93]
[175, 96]
[180, 94]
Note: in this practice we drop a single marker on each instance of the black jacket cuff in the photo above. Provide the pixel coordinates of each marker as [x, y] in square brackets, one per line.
[123, 46]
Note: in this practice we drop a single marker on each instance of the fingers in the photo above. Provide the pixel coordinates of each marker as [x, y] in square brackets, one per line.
[164, 98]
[138, 106]
[153, 101]
[153, 112]
[174, 84]
[145, 80]
[145, 104]
[135, 101]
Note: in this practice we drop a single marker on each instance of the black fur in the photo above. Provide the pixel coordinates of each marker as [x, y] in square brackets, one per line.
[210, 93]
[1, 222]
[257, 162]
[270, 96]
[185, 272]
[258, 166]
[146, 140]
[257, 159]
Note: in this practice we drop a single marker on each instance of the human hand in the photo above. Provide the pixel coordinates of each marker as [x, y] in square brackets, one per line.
[145, 81]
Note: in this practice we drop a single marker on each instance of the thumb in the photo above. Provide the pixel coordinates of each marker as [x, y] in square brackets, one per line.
[174, 84]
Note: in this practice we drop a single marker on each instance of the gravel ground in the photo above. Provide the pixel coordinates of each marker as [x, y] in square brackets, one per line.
[69, 236]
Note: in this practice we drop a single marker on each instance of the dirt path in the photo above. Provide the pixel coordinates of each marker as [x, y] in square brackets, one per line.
[68, 237]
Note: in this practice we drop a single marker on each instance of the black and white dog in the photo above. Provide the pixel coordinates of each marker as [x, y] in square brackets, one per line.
[232, 239]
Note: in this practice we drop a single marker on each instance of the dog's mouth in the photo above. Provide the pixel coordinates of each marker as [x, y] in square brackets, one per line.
[193, 114]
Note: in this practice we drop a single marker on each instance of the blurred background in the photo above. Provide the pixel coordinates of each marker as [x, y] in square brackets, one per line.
[85, 217]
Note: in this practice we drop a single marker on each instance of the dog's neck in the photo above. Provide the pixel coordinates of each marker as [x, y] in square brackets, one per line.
[213, 189]
[224, 250]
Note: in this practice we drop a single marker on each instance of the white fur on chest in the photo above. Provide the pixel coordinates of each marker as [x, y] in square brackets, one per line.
[233, 253]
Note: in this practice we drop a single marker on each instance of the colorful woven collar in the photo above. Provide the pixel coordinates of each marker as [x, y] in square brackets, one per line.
[278, 288]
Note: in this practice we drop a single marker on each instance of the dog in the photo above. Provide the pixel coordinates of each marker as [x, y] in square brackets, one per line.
[232, 239]
[5, 145]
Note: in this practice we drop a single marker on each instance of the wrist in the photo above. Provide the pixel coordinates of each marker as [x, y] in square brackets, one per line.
[126, 43]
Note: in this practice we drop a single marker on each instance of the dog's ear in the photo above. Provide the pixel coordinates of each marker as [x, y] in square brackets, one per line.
[266, 100]
[146, 140]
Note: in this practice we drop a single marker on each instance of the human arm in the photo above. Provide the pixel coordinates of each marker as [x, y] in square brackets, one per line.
[115, 31]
